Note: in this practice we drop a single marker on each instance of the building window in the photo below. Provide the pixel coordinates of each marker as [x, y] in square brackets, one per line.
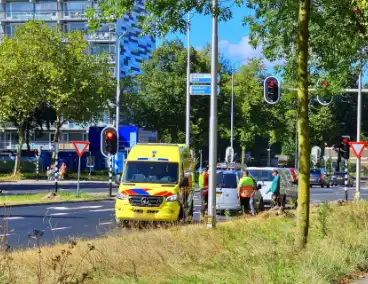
[77, 26]
[19, 10]
[45, 10]
[75, 10]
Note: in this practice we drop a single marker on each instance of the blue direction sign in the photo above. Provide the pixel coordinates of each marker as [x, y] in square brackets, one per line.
[202, 90]
[202, 78]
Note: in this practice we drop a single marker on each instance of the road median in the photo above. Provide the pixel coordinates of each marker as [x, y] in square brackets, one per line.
[245, 250]
[42, 198]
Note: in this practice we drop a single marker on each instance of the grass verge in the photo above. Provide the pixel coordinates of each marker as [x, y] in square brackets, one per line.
[46, 198]
[257, 250]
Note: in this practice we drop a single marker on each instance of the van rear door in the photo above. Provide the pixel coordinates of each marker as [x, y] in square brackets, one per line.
[229, 191]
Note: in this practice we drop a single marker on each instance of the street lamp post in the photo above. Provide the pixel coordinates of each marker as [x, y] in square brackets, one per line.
[187, 120]
[232, 109]
[211, 223]
[117, 118]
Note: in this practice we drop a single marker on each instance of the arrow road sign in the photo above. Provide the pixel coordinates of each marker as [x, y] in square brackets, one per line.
[358, 148]
[80, 147]
[203, 78]
[202, 90]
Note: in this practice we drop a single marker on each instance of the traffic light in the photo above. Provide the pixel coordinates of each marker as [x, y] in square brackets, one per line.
[345, 147]
[271, 90]
[109, 141]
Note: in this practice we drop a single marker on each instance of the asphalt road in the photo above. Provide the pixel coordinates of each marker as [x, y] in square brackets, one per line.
[58, 222]
[61, 222]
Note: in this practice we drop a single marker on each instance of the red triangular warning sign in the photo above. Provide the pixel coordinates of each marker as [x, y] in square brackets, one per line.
[358, 148]
[80, 147]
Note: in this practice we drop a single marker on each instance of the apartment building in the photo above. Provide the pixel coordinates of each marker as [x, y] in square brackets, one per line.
[69, 15]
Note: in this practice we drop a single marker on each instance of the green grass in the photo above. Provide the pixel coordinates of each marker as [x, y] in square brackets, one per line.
[254, 250]
[95, 176]
[42, 198]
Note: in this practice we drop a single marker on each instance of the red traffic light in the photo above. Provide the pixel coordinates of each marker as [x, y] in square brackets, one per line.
[271, 84]
[109, 134]
[325, 84]
[345, 140]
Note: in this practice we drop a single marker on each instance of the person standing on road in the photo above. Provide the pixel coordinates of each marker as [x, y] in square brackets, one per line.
[203, 185]
[246, 190]
[275, 189]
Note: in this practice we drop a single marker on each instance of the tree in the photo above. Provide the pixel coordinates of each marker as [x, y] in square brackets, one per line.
[22, 84]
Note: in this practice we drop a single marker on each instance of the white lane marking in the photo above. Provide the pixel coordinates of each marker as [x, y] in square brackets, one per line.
[5, 235]
[102, 210]
[61, 228]
[74, 208]
[106, 223]
[59, 214]
[13, 218]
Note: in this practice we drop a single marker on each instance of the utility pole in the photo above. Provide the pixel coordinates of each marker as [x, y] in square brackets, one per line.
[187, 121]
[359, 128]
[117, 118]
[211, 223]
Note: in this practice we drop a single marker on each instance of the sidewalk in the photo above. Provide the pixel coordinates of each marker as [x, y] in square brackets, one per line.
[361, 281]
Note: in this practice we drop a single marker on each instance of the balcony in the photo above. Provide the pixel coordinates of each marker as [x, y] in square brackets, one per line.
[22, 16]
[74, 15]
[101, 37]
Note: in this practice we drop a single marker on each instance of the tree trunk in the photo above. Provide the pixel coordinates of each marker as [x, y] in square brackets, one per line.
[303, 126]
[243, 155]
[20, 132]
[27, 138]
[58, 125]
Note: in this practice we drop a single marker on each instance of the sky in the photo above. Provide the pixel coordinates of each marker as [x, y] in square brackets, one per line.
[232, 36]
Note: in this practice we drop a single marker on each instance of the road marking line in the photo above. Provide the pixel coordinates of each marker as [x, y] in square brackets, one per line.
[74, 208]
[106, 223]
[13, 218]
[5, 235]
[59, 214]
[61, 228]
[102, 210]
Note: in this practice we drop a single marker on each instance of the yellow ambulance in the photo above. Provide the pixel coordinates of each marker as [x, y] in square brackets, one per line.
[156, 184]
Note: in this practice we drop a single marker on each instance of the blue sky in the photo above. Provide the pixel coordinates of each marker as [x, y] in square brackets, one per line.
[233, 36]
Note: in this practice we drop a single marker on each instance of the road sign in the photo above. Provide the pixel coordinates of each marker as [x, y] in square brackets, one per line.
[202, 78]
[358, 148]
[229, 155]
[316, 151]
[202, 90]
[80, 147]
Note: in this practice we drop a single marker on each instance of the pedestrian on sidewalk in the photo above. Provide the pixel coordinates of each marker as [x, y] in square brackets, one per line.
[246, 190]
[62, 171]
[275, 190]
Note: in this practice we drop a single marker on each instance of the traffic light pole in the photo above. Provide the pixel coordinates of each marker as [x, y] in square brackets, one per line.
[110, 175]
[346, 180]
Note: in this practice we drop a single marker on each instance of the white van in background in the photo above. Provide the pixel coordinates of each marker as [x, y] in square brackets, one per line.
[264, 178]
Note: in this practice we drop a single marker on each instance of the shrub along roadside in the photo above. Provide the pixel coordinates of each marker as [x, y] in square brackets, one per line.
[256, 250]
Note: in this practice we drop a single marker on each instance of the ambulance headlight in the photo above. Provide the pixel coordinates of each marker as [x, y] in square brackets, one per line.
[172, 198]
[121, 196]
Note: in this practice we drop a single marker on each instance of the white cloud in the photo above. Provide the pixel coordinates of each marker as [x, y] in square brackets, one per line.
[243, 49]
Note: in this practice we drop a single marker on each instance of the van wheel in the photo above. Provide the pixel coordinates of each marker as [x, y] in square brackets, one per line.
[261, 205]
